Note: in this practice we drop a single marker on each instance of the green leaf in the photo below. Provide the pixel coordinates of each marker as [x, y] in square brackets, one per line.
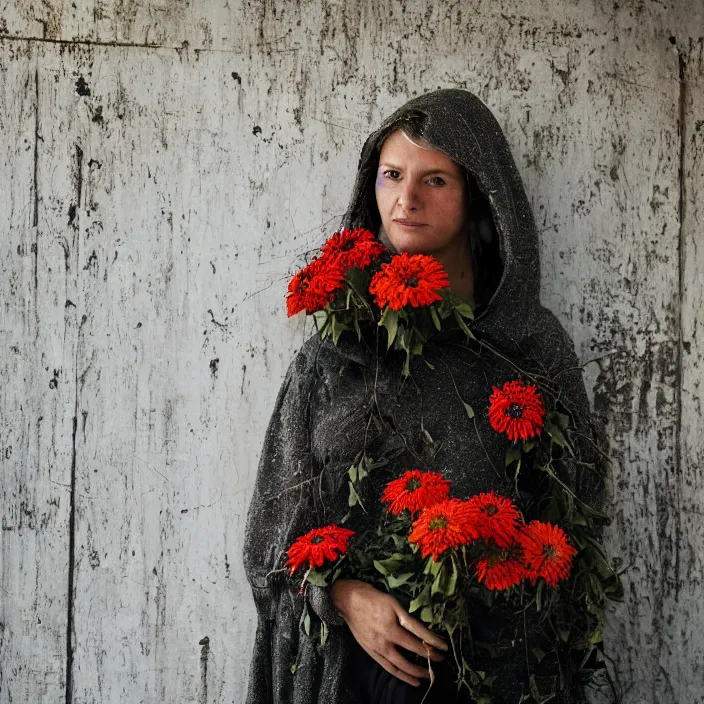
[469, 409]
[539, 595]
[323, 633]
[465, 310]
[438, 583]
[463, 326]
[513, 454]
[395, 582]
[556, 434]
[353, 472]
[389, 320]
[421, 600]
[306, 623]
[562, 420]
[381, 568]
[538, 654]
[391, 565]
[596, 637]
[354, 497]
[337, 328]
[400, 542]
[320, 317]
[578, 519]
[319, 579]
[434, 316]
[432, 567]
[407, 365]
[357, 329]
[446, 579]
[427, 614]
[452, 580]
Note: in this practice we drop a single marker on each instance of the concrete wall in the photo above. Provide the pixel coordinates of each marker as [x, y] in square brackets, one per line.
[165, 165]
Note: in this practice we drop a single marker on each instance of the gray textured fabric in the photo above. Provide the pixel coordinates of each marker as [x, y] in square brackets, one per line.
[319, 421]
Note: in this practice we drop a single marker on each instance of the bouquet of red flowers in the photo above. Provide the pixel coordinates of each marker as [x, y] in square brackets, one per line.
[355, 279]
[439, 555]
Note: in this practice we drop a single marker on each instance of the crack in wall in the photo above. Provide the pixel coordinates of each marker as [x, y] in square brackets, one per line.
[86, 42]
[73, 221]
[204, 651]
[682, 59]
[183, 46]
[35, 215]
[71, 555]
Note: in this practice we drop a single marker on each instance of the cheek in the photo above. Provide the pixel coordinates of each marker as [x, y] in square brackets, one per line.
[383, 195]
[450, 206]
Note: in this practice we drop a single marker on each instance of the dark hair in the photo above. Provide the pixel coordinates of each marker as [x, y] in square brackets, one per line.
[487, 267]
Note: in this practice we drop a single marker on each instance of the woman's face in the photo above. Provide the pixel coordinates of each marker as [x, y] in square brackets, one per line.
[421, 195]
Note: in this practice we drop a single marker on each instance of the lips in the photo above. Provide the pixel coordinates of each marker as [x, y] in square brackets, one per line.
[409, 223]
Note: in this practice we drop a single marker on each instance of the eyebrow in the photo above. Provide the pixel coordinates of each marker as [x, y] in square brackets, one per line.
[425, 173]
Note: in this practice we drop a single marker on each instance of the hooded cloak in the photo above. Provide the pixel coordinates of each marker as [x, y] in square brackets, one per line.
[320, 418]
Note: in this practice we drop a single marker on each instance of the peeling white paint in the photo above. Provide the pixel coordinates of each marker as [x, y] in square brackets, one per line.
[156, 197]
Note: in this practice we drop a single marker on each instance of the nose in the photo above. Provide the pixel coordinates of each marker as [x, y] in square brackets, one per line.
[409, 196]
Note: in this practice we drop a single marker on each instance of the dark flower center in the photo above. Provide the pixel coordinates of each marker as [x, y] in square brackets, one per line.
[412, 282]
[549, 552]
[515, 410]
[491, 510]
[497, 558]
[316, 540]
[347, 246]
[438, 522]
[412, 484]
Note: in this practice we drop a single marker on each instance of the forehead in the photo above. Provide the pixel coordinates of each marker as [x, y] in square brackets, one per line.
[402, 150]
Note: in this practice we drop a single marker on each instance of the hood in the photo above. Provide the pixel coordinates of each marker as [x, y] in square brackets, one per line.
[458, 123]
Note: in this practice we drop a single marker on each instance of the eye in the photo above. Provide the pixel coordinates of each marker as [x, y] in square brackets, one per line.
[436, 181]
[392, 174]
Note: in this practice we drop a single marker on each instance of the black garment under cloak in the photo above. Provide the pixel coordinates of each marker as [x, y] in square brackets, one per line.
[318, 424]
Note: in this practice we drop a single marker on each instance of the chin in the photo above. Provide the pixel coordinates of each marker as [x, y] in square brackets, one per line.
[408, 244]
[414, 248]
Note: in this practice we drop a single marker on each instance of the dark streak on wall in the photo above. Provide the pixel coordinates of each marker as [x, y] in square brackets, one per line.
[35, 215]
[71, 561]
[204, 651]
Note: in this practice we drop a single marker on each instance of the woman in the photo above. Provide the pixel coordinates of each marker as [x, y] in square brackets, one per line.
[436, 178]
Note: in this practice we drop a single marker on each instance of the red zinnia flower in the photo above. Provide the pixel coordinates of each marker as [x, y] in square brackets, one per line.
[415, 490]
[547, 552]
[442, 526]
[409, 280]
[496, 518]
[317, 546]
[516, 410]
[314, 286]
[353, 248]
[501, 569]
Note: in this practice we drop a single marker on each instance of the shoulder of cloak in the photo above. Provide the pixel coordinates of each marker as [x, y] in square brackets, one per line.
[548, 351]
